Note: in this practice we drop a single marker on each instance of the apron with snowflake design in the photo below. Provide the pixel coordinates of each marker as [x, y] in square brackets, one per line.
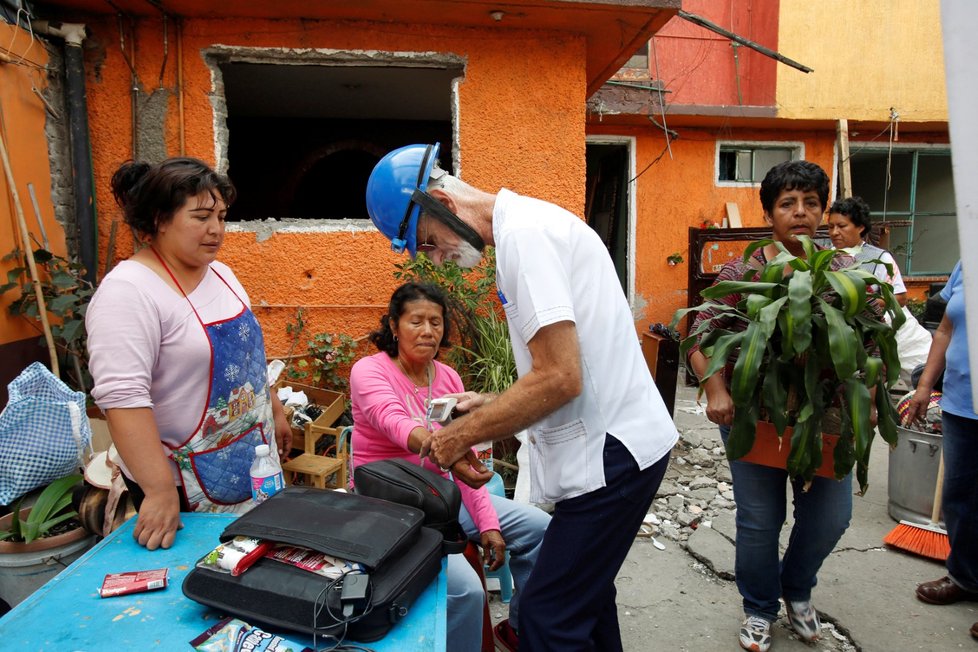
[215, 460]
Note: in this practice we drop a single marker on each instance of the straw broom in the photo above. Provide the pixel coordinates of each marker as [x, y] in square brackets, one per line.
[927, 540]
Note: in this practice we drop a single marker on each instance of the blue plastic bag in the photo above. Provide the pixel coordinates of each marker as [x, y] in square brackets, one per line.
[44, 433]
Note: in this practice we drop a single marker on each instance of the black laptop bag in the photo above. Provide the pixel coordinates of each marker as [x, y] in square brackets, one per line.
[402, 482]
[401, 556]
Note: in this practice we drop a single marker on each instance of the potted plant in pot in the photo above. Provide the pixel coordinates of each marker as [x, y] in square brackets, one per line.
[811, 360]
[37, 542]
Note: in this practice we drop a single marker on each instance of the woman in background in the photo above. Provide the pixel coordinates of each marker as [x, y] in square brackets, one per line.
[849, 226]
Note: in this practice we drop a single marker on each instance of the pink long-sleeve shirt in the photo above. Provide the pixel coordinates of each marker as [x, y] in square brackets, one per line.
[387, 406]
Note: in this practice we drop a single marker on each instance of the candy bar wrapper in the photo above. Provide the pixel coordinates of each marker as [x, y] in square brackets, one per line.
[133, 582]
[233, 635]
[235, 556]
[313, 561]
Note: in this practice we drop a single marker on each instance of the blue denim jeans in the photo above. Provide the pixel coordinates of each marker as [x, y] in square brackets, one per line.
[961, 498]
[522, 527]
[821, 517]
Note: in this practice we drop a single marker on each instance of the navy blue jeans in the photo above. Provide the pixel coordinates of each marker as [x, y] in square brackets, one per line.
[961, 498]
[821, 517]
[568, 602]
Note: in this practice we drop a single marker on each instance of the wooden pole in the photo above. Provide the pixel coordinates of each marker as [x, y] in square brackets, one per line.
[845, 177]
[31, 264]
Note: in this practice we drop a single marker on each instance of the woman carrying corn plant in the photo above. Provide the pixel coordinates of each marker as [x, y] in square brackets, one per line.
[787, 333]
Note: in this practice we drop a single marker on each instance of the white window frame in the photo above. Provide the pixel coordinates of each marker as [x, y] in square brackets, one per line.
[797, 153]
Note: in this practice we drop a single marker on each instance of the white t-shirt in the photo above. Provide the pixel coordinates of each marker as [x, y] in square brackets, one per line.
[552, 267]
[148, 349]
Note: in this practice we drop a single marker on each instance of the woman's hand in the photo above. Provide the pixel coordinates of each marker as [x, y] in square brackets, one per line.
[468, 401]
[917, 407]
[283, 431]
[493, 549]
[719, 404]
[159, 519]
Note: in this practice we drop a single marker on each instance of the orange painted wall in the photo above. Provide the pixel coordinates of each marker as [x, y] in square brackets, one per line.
[520, 125]
[22, 119]
[679, 192]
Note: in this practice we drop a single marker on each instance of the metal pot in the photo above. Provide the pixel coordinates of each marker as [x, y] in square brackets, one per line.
[913, 474]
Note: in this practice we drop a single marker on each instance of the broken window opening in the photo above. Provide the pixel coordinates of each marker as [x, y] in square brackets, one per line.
[303, 139]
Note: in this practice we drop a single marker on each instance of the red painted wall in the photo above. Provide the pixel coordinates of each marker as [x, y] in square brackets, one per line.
[697, 65]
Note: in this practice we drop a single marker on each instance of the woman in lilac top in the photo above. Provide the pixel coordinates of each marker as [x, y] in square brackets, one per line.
[176, 354]
[390, 391]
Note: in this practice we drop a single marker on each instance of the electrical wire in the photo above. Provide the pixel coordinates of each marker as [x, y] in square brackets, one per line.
[322, 602]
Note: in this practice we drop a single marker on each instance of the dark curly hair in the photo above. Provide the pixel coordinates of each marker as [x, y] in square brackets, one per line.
[793, 175]
[150, 194]
[856, 210]
[383, 337]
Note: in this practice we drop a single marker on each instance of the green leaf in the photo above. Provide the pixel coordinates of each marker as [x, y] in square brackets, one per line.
[886, 416]
[748, 364]
[62, 303]
[857, 403]
[844, 457]
[725, 288]
[721, 352]
[72, 330]
[775, 394]
[874, 369]
[842, 341]
[742, 432]
[800, 457]
[799, 316]
[851, 290]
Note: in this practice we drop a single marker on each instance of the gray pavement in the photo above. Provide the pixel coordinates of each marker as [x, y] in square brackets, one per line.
[683, 598]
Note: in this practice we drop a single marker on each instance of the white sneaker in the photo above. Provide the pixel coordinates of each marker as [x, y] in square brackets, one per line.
[804, 619]
[755, 634]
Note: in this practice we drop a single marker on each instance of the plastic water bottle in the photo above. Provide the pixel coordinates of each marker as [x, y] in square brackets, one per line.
[266, 475]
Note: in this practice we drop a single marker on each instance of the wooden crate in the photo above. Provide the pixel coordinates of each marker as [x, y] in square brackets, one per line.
[332, 404]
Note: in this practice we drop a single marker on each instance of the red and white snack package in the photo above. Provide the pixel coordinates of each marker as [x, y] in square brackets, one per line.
[133, 582]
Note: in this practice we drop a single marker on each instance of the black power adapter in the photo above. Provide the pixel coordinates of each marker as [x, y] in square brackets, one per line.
[353, 596]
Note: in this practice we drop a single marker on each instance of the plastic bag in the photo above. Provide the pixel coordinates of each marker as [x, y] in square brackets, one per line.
[44, 432]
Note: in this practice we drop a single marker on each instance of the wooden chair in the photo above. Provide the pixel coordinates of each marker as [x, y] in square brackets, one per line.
[325, 472]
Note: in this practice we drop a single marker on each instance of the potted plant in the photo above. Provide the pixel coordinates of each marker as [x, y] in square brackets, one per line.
[37, 542]
[810, 361]
[66, 296]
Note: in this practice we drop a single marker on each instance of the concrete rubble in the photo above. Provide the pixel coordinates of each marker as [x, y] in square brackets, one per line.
[683, 596]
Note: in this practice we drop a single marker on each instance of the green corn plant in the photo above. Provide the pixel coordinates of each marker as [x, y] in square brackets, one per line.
[813, 340]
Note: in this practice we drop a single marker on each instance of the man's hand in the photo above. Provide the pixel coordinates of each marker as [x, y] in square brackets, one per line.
[158, 520]
[493, 549]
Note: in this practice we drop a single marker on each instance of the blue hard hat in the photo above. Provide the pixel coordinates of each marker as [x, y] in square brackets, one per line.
[391, 189]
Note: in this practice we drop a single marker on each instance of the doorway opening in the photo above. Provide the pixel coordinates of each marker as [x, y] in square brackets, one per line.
[609, 204]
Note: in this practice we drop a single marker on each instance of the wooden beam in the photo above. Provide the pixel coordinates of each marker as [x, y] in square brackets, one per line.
[842, 139]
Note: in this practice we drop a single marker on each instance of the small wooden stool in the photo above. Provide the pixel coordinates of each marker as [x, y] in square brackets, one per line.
[319, 468]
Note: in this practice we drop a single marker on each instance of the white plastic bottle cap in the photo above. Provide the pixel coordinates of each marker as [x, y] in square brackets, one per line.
[262, 449]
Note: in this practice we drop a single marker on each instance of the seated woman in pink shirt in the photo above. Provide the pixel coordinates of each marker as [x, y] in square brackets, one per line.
[390, 391]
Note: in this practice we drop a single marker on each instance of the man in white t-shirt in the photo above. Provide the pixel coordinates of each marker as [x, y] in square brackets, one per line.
[598, 432]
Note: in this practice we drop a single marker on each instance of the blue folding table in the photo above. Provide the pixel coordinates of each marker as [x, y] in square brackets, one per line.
[68, 614]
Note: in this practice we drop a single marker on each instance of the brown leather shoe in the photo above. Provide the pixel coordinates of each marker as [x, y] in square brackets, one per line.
[974, 630]
[943, 591]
